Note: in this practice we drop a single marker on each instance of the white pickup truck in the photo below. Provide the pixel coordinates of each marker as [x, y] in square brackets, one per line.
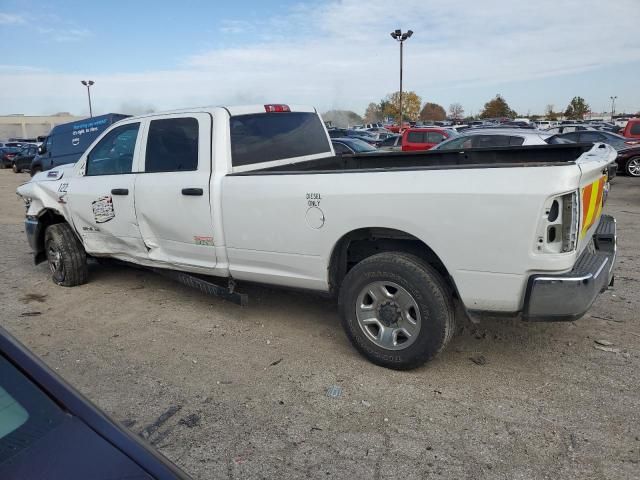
[257, 194]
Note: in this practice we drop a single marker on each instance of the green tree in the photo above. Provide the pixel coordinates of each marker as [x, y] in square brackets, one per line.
[577, 109]
[432, 111]
[373, 113]
[497, 107]
[410, 105]
[456, 112]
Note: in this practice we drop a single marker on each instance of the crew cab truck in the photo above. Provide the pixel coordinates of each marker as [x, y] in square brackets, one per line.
[256, 193]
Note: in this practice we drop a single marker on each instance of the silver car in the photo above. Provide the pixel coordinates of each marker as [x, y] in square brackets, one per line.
[495, 137]
[391, 144]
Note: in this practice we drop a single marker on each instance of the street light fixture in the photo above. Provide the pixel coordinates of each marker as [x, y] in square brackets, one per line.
[88, 83]
[613, 106]
[401, 37]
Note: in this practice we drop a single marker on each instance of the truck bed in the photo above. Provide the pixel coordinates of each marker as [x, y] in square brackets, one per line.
[526, 156]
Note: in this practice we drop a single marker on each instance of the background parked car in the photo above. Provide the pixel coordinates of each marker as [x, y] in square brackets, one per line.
[391, 144]
[6, 156]
[591, 136]
[350, 146]
[23, 159]
[569, 127]
[629, 161]
[492, 138]
[632, 129]
[424, 138]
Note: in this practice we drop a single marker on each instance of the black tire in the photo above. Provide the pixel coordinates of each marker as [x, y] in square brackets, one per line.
[65, 255]
[631, 167]
[15, 168]
[35, 170]
[427, 289]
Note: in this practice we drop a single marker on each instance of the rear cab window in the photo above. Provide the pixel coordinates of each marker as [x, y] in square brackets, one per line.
[268, 137]
[635, 128]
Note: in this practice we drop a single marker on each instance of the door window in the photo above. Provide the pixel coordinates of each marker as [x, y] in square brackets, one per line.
[591, 137]
[341, 149]
[172, 145]
[573, 136]
[415, 137]
[490, 141]
[114, 153]
[434, 137]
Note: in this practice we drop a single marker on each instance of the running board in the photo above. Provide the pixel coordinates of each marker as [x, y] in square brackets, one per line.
[207, 287]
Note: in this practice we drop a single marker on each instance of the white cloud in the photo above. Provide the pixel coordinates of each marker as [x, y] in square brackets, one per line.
[340, 54]
[11, 19]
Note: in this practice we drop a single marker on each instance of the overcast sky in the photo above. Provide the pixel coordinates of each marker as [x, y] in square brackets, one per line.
[331, 54]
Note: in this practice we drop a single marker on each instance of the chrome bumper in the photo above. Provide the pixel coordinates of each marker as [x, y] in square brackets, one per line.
[568, 296]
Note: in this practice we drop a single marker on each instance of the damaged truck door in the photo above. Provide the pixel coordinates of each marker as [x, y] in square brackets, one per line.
[101, 202]
[172, 195]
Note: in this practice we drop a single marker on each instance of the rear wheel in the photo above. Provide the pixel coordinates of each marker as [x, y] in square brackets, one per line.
[397, 310]
[15, 167]
[65, 255]
[632, 167]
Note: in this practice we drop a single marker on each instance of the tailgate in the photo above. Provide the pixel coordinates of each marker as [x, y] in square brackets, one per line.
[594, 186]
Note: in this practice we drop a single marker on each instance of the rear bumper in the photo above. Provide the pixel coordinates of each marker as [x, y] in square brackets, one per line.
[568, 296]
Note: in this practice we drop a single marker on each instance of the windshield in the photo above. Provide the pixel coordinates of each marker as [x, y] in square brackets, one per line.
[26, 414]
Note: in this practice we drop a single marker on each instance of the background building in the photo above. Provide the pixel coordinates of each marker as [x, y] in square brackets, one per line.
[26, 126]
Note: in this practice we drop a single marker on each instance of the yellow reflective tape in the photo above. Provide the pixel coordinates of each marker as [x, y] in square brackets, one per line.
[592, 204]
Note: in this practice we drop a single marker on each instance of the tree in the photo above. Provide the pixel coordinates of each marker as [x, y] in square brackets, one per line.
[577, 109]
[456, 112]
[373, 113]
[550, 114]
[342, 118]
[432, 111]
[496, 108]
[410, 105]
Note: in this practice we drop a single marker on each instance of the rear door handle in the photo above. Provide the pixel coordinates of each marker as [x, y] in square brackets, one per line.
[194, 192]
[120, 191]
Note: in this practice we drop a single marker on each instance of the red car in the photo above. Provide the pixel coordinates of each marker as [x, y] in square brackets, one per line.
[424, 138]
[632, 129]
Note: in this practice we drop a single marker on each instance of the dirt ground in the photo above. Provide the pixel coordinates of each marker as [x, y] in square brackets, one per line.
[231, 392]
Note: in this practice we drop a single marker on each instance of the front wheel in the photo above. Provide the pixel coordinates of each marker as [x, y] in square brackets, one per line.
[397, 310]
[15, 168]
[66, 256]
[632, 168]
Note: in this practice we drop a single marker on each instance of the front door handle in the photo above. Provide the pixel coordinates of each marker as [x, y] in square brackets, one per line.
[120, 191]
[194, 192]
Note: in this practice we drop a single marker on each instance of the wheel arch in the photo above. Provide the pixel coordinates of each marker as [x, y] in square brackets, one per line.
[45, 218]
[361, 243]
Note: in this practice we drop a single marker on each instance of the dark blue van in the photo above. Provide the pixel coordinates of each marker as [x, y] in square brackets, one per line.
[68, 141]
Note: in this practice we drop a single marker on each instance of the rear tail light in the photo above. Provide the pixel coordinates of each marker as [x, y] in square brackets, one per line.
[570, 222]
[632, 142]
[274, 108]
[558, 230]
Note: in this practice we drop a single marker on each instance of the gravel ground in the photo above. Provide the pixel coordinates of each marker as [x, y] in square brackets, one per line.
[234, 392]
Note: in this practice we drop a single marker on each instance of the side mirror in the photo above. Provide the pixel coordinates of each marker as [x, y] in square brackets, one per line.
[42, 149]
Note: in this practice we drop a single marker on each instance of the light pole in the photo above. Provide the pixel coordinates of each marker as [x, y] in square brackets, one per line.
[88, 83]
[613, 106]
[401, 37]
